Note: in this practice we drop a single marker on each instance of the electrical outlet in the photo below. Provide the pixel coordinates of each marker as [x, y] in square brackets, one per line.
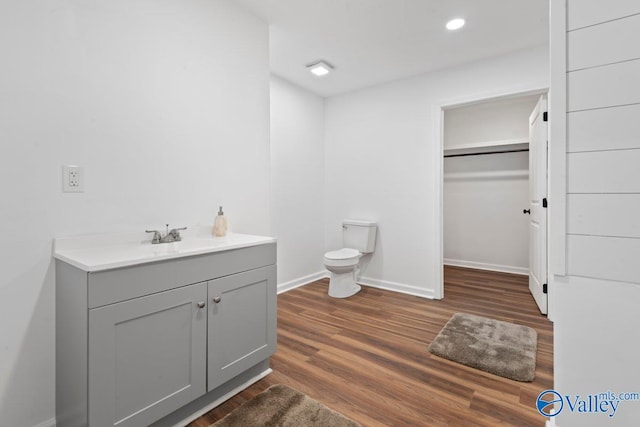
[72, 179]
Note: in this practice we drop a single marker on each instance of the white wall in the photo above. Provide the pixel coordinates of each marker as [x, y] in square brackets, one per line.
[484, 195]
[165, 104]
[595, 306]
[492, 122]
[484, 226]
[383, 160]
[297, 182]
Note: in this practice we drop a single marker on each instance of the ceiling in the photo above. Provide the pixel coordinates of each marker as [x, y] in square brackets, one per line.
[375, 41]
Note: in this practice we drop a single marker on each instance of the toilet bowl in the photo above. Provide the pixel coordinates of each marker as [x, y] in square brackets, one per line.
[358, 239]
[343, 267]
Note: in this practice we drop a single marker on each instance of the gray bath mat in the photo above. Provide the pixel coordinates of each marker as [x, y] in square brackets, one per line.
[491, 345]
[283, 406]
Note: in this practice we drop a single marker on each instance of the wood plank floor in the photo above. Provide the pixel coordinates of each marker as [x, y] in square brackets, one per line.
[366, 356]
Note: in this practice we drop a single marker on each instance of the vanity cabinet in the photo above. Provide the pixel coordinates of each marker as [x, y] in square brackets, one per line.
[135, 344]
[242, 324]
[147, 356]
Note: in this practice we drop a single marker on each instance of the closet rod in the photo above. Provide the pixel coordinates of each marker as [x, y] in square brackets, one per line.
[486, 152]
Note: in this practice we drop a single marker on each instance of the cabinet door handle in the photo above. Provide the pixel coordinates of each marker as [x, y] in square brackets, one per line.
[217, 299]
[201, 304]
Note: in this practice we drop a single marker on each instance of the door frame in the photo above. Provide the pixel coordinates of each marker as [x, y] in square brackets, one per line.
[439, 136]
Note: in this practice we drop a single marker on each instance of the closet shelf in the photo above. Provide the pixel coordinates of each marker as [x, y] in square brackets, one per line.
[486, 175]
[487, 148]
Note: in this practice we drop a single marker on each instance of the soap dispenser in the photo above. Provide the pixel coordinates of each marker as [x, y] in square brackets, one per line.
[220, 224]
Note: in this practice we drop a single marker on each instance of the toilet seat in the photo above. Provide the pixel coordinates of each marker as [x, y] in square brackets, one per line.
[343, 253]
[344, 257]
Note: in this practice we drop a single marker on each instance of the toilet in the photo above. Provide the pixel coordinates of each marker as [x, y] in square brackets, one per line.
[358, 238]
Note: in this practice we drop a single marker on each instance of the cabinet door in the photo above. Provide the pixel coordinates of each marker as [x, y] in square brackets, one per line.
[242, 323]
[147, 356]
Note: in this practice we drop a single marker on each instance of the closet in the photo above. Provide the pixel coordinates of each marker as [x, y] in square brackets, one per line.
[486, 184]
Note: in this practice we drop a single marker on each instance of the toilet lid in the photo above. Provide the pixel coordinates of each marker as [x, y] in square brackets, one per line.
[343, 253]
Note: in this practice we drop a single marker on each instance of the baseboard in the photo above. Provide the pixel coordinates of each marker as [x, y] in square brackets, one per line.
[296, 283]
[201, 412]
[484, 266]
[48, 423]
[222, 399]
[397, 287]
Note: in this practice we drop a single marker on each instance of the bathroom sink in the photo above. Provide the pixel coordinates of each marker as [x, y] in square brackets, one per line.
[104, 252]
[184, 246]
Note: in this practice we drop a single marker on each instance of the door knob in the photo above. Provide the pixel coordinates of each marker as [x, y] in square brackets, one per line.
[217, 300]
[526, 211]
[201, 304]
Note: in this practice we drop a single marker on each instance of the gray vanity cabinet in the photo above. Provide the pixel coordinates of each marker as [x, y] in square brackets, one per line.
[154, 343]
[147, 356]
[242, 322]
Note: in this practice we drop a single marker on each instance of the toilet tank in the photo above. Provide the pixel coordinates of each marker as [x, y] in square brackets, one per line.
[359, 234]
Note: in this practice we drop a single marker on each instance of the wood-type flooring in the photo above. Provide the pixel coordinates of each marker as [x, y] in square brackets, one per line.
[366, 356]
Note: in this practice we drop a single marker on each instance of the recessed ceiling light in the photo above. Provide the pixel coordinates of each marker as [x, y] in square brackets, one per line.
[455, 24]
[320, 68]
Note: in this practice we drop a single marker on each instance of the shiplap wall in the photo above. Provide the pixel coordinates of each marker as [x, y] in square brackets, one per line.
[595, 305]
[603, 139]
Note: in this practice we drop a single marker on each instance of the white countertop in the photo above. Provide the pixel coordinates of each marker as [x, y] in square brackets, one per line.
[108, 251]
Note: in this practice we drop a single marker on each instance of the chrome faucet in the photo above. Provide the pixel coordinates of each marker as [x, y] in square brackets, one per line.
[172, 235]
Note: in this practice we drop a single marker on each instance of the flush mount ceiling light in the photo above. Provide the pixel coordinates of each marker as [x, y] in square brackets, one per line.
[455, 24]
[320, 68]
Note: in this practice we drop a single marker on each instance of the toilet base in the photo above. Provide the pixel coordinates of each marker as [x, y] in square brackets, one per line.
[343, 285]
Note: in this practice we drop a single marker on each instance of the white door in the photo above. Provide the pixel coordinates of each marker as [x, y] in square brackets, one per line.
[537, 204]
